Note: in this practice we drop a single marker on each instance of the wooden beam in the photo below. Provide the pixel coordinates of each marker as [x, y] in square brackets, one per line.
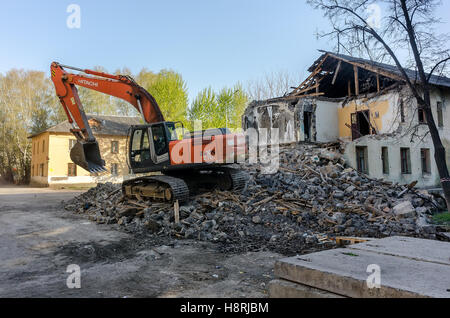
[311, 95]
[305, 90]
[313, 83]
[338, 67]
[176, 209]
[300, 96]
[355, 71]
[308, 79]
[317, 70]
[378, 83]
[374, 69]
[349, 92]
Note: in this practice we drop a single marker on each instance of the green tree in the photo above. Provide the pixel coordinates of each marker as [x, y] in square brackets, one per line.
[146, 78]
[170, 91]
[232, 103]
[205, 108]
[219, 110]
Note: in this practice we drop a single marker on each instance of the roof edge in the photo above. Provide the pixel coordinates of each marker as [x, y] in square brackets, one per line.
[384, 71]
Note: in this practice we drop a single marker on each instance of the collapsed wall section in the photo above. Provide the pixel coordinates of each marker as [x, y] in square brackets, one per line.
[296, 120]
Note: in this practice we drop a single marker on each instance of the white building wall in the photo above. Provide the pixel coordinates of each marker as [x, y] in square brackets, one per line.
[402, 138]
[391, 120]
[444, 132]
[375, 163]
[327, 125]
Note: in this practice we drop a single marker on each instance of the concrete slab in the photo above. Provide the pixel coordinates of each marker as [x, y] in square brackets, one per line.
[280, 288]
[409, 247]
[344, 272]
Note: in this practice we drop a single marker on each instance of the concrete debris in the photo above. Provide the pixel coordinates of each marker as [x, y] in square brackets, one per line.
[310, 200]
[404, 210]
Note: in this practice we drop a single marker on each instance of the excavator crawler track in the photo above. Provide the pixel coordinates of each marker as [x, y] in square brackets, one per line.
[158, 188]
[238, 178]
[169, 188]
[223, 178]
[230, 179]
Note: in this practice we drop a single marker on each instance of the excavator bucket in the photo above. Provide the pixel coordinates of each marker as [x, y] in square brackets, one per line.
[87, 156]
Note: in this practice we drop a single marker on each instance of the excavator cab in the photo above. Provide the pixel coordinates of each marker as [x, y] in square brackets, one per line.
[149, 146]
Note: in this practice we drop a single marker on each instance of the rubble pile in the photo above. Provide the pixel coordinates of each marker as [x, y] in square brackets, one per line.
[311, 199]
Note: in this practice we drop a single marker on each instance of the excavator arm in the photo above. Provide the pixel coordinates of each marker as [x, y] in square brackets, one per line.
[86, 151]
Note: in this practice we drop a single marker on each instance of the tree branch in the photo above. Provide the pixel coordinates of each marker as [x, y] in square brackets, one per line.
[436, 66]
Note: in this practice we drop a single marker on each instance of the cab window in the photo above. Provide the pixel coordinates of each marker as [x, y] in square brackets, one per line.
[159, 140]
[172, 132]
[140, 146]
[137, 136]
[145, 150]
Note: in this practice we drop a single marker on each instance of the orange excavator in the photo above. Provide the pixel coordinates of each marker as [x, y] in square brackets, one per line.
[186, 162]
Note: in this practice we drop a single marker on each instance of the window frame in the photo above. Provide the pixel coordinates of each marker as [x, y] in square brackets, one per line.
[41, 170]
[114, 169]
[71, 172]
[405, 160]
[421, 113]
[440, 114]
[385, 160]
[402, 111]
[114, 146]
[425, 166]
[359, 167]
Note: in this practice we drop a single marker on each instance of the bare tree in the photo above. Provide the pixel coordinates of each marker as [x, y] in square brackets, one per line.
[272, 85]
[408, 29]
[27, 106]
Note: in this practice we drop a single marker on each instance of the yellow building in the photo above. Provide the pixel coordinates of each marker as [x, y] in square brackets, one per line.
[51, 164]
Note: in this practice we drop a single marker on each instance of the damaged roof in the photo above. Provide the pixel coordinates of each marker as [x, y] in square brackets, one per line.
[335, 75]
[103, 125]
[382, 68]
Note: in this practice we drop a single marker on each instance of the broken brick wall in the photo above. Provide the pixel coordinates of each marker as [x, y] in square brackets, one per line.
[273, 114]
[296, 120]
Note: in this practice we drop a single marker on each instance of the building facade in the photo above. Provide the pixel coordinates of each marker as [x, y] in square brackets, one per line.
[368, 107]
[51, 164]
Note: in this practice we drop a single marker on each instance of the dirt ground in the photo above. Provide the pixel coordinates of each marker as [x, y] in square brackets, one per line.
[39, 240]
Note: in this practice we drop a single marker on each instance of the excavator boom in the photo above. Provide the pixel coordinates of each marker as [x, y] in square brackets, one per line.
[86, 151]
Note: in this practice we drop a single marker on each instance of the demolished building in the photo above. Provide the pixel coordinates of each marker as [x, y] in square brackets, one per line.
[367, 106]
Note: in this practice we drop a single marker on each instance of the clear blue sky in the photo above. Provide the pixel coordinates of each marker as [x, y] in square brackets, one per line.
[210, 42]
